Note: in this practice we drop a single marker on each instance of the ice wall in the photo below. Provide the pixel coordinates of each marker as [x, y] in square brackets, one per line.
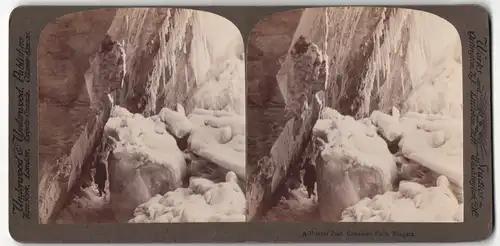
[380, 57]
[185, 49]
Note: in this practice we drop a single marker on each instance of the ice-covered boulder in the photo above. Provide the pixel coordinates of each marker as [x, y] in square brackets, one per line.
[176, 121]
[435, 142]
[388, 125]
[355, 163]
[145, 162]
[427, 142]
[202, 201]
[219, 137]
[411, 203]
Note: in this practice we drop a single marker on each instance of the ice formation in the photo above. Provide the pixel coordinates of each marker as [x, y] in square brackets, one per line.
[202, 201]
[148, 170]
[421, 180]
[361, 180]
[413, 202]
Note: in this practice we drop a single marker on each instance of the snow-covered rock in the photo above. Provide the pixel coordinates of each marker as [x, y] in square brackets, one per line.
[355, 163]
[435, 142]
[412, 203]
[202, 201]
[219, 137]
[432, 141]
[389, 125]
[145, 162]
[176, 121]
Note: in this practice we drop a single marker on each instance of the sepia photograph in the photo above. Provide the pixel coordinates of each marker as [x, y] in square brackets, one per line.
[356, 116]
[141, 118]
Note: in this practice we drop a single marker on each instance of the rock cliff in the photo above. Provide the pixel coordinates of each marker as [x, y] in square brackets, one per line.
[292, 121]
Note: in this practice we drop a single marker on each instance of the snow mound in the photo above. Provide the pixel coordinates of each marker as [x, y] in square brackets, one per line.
[353, 143]
[355, 163]
[412, 203]
[146, 161]
[202, 201]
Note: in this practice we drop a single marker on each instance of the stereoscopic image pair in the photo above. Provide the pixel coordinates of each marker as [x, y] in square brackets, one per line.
[166, 115]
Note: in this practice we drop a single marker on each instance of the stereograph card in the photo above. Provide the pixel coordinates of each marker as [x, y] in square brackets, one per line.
[250, 124]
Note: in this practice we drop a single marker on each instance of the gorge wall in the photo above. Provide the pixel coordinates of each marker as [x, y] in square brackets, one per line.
[170, 54]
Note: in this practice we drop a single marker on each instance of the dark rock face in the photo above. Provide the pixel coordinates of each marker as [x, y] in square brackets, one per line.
[294, 132]
[107, 71]
[269, 42]
[58, 182]
[141, 49]
[310, 178]
[353, 79]
[63, 58]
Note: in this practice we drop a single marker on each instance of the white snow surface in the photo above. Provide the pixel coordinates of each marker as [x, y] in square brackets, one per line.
[202, 201]
[146, 160]
[144, 143]
[220, 138]
[413, 202]
[433, 141]
[351, 142]
[176, 121]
